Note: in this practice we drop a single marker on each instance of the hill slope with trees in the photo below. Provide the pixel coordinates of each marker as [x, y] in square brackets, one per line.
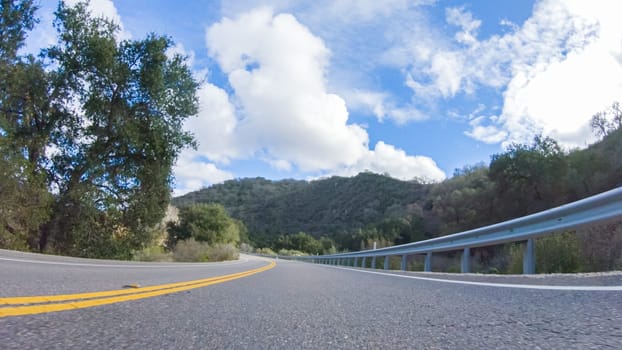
[354, 212]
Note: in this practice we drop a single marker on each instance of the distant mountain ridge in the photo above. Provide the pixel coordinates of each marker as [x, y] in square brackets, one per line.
[317, 207]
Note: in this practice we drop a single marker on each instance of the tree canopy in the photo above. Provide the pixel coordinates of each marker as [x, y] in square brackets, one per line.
[93, 128]
[208, 223]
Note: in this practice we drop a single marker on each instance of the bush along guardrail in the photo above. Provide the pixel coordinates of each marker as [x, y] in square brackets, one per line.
[601, 208]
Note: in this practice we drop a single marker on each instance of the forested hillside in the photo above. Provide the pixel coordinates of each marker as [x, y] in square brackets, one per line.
[322, 207]
[355, 211]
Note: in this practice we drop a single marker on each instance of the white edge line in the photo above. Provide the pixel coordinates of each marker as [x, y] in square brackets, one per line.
[485, 284]
[240, 261]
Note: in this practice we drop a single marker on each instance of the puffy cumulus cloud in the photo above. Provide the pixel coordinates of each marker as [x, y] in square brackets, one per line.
[280, 109]
[358, 33]
[276, 68]
[557, 69]
[388, 159]
[215, 126]
[559, 96]
[193, 173]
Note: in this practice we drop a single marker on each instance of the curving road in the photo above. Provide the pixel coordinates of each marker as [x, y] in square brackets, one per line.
[301, 306]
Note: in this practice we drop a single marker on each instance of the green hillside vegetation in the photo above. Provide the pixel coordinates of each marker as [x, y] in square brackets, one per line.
[349, 214]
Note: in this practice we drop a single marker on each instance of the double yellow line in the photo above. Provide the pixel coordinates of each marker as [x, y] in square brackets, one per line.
[18, 306]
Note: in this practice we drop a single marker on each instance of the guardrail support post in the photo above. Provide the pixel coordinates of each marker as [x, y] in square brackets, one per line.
[363, 262]
[529, 258]
[386, 262]
[403, 265]
[427, 267]
[356, 261]
[465, 267]
[373, 262]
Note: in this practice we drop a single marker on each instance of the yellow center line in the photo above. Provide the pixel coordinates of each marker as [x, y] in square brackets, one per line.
[111, 297]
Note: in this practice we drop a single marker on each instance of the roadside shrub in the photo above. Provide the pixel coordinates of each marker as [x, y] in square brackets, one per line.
[246, 248]
[222, 252]
[190, 250]
[559, 253]
[416, 265]
[515, 258]
[266, 251]
[601, 247]
[153, 253]
[291, 252]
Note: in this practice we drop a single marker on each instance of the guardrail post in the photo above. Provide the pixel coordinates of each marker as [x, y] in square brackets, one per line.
[356, 261]
[465, 267]
[386, 262]
[529, 258]
[373, 262]
[427, 267]
[403, 265]
[363, 262]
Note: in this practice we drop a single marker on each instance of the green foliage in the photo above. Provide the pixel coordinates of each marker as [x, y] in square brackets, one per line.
[300, 242]
[522, 180]
[605, 122]
[290, 252]
[560, 253]
[208, 223]
[16, 19]
[153, 253]
[190, 250]
[89, 133]
[331, 207]
[527, 178]
[465, 201]
[24, 199]
[265, 251]
[601, 247]
[222, 252]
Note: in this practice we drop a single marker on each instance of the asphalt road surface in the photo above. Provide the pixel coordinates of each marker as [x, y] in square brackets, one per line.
[296, 305]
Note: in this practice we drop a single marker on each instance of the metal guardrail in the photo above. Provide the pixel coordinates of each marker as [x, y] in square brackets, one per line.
[601, 208]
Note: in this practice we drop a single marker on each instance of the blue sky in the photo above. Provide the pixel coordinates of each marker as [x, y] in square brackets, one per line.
[415, 89]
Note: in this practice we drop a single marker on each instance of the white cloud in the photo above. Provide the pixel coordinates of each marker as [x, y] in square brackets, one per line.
[192, 173]
[215, 125]
[281, 110]
[386, 158]
[358, 33]
[382, 107]
[486, 133]
[557, 69]
[459, 17]
[276, 67]
[575, 75]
